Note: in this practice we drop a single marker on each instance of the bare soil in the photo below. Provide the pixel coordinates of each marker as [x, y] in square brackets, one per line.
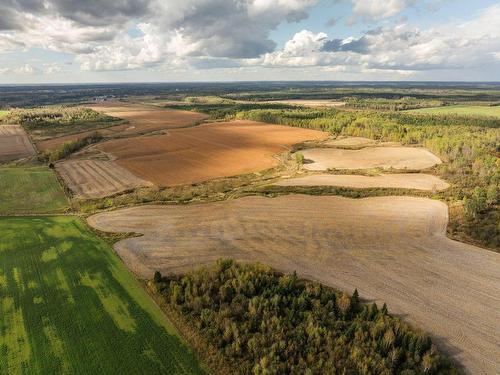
[392, 249]
[419, 181]
[142, 120]
[14, 143]
[97, 179]
[411, 158]
[205, 152]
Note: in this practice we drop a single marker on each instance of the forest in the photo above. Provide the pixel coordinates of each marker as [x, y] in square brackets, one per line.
[264, 322]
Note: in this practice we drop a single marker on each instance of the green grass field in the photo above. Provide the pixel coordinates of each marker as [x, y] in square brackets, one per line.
[467, 110]
[30, 190]
[3, 113]
[69, 305]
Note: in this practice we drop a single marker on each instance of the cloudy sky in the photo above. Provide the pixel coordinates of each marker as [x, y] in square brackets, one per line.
[58, 41]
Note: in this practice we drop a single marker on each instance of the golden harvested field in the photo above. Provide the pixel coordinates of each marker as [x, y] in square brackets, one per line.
[351, 142]
[205, 152]
[419, 181]
[96, 178]
[318, 159]
[142, 120]
[393, 249]
[14, 143]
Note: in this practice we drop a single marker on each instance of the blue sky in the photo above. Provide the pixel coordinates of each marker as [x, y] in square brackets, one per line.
[209, 40]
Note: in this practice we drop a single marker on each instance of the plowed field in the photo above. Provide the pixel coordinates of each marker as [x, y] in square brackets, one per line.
[96, 178]
[14, 143]
[393, 249]
[206, 152]
[318, 159]
[141, 119]
[419, 181]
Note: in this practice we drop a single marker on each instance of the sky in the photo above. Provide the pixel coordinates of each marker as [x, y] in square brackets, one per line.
[75, 41]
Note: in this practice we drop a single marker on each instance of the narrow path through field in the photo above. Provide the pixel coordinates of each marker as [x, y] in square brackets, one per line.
[393, 249]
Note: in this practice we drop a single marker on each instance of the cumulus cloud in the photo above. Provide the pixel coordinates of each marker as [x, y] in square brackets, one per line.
[97, 30]
[25, 69]
[398, 48]
[235, 34]
[374, 10]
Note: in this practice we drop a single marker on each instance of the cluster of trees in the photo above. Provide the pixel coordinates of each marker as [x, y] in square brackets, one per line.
[42, 117]
[262, 322]
[469, 146]
[401, 104]
[224, 108]
[70, 147]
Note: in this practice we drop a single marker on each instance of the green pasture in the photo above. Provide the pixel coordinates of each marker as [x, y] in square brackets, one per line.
[69, 306]
[30, 190]
[466, 110]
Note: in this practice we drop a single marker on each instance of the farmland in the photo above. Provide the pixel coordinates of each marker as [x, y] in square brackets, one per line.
[393, 249]
[70, 306]
[205, 152]
[139, 120]
[14, 143]
[411, 158]
[3, 113]
[418, 181]
[221, 172]
[50, 122]
[97, 178]
[30, 190]
[464, 110]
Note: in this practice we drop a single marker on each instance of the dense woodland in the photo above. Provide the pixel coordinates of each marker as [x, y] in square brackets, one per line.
[383, 104]
[469, 147]
[262, 322]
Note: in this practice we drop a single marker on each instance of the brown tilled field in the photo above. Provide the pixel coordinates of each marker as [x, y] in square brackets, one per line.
[393, 249]
[413, 158]
[14, 143]
[205, 152]
[141, 119]
[419, 181]
[96, 178]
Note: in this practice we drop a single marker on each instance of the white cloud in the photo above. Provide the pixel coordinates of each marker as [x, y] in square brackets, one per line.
[374, 10]
[25, 69]
[398, 48]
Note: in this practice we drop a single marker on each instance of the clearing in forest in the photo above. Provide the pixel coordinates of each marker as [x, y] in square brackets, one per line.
[205, 152]
[97, 178]
[412, 158]
[69, 306]
[14, 143]
[419, 181]
[392, 249]
[466, 110]
[30, 190]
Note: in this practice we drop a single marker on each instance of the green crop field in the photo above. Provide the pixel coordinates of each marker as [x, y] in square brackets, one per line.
[468, 110]
[3, 113]
[30, 190]
[68, 305]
